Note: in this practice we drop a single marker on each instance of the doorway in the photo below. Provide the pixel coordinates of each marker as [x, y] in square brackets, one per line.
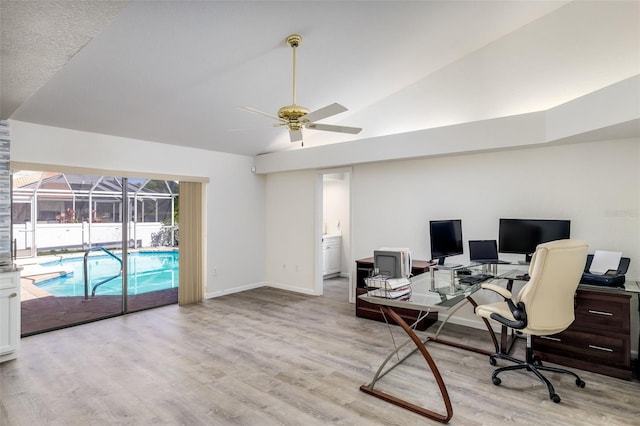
[335, 234]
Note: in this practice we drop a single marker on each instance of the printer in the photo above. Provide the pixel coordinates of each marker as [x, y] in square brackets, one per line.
[610, 279]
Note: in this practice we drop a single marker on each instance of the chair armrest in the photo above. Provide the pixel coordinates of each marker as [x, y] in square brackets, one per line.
[517, 325]
[496, 288]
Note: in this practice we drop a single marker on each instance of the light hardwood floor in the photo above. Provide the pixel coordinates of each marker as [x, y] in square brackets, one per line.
[271, 357]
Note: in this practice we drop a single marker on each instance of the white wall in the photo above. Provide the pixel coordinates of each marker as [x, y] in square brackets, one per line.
[595, 184]
[235, 197]
[291, 238]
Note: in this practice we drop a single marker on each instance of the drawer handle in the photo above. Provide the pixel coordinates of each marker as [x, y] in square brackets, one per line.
[600, 348]
[609, 314]
[555, 339]
[13, 294]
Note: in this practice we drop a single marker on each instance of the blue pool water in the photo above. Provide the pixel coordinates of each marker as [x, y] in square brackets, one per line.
[148, 271]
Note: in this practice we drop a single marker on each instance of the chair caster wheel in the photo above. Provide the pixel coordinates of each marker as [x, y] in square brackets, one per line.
[555, 398]
[492, 360]
[580, 383]
[537, 361]
[496, 380]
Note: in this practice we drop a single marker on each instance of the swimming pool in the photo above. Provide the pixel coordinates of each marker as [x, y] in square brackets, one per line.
[148, 271]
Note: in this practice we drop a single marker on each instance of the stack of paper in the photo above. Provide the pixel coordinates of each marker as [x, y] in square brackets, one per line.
[380, 281]
[604, 261]
[390, 294]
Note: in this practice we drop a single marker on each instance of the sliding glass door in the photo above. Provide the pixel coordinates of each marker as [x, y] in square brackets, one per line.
[153, 242]
[92, 246]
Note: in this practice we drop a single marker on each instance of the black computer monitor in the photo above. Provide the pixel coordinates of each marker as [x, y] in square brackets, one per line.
[445, 239]
[522, 236]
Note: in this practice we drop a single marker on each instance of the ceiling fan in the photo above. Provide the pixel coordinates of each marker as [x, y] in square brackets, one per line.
[296, 117]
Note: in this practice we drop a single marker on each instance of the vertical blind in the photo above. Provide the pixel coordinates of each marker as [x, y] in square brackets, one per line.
[191, 288]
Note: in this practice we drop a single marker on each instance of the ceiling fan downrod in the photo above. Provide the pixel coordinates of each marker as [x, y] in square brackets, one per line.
[291, 114]
[294, 41]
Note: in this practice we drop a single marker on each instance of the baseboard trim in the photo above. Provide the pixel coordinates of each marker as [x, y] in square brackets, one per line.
[214, 294]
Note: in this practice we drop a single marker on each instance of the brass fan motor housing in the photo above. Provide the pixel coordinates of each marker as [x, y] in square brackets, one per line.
[292, 115]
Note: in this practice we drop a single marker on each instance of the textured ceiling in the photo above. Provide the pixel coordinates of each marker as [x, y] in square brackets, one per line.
[37, 38]
[176, 72]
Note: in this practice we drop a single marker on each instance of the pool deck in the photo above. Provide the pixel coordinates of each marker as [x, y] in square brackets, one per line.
[33, 273]
[50, 313]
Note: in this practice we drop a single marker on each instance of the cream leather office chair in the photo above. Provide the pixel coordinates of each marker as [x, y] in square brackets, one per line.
[544, 306]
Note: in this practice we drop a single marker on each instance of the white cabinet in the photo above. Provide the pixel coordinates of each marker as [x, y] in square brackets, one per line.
[331, 254]
[9, 315]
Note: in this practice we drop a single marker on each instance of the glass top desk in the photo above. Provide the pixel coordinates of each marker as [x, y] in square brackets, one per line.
[440, 291]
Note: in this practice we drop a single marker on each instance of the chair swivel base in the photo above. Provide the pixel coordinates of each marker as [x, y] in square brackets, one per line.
[534, 365]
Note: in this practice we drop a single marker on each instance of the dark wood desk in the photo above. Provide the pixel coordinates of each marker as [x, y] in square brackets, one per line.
[599, 339]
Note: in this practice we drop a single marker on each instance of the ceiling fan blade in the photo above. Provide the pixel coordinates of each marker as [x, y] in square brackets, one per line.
[295, 135]
[257, 111]
[332, 128]
[325, 112]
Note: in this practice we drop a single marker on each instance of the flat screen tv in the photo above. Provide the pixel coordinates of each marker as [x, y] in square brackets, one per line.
[445, 239]
[522, 236]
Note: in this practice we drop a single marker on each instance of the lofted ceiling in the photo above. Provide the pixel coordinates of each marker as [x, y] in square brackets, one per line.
[178, 72]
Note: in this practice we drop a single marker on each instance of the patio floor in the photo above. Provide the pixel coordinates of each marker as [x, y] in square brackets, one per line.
[50, 312]
[41, 311]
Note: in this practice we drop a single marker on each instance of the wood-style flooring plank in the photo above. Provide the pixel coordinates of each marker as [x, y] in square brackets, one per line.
[272, 357]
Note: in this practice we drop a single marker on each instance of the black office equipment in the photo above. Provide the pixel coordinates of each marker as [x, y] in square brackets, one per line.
[453, 301]
[522, 236]
[388, 263]
[446, 239]
[475, 279]
[610, 279]
[484, 252]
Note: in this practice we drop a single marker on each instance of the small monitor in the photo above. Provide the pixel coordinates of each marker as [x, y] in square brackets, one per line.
[483, 251]
[393, 262]
[445, 239]
[388, 263]
[522, 236]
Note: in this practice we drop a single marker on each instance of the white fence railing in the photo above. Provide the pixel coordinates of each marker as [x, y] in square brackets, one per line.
[59, 236]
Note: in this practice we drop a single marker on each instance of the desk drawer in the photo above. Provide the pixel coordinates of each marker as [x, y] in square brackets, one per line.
[611, 348]
[602, 311]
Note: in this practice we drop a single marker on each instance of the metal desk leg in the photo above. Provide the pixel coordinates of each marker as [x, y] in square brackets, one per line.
[444, 418]
[473, 303]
